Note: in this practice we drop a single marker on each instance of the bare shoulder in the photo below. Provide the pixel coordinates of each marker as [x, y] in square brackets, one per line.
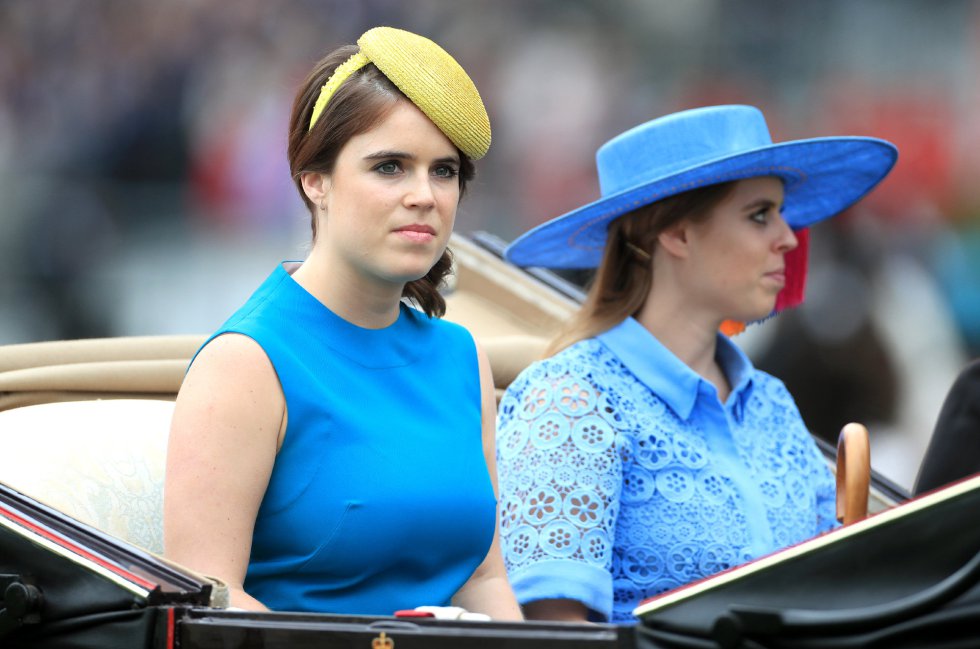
[234, 353]
[232, 387]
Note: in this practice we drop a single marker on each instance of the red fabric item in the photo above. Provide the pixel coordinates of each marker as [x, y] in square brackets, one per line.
[796, 261]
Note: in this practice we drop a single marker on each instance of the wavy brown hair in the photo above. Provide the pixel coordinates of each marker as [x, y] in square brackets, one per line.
[623, 279]
[360, 103]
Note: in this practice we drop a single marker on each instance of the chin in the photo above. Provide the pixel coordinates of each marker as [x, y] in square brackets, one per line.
[411, 270]
[760, 313]
[406, 275]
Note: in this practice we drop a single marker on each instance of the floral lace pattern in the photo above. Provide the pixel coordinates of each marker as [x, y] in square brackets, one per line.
[596, 469]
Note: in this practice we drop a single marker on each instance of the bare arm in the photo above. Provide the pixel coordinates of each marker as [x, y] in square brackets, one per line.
[226, 430]
[562, 610]
[488, 591]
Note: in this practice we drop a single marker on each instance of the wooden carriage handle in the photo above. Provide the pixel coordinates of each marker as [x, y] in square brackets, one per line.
[853, 473]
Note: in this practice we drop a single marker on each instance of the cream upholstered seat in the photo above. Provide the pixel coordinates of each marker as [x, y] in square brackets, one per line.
[84, 427]
[101, 462]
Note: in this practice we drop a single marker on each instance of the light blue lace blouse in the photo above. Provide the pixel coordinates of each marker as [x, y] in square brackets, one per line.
[622, 475]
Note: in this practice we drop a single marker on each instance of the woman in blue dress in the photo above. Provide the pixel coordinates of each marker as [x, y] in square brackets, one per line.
[332, 446]
[646, 451]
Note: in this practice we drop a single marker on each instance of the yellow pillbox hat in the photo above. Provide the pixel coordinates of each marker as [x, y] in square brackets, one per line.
[428, 76]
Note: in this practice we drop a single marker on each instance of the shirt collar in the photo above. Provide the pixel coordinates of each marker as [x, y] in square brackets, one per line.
[665, 374]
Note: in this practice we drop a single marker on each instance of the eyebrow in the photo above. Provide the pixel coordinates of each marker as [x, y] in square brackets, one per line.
[761, 202]
[403, 155]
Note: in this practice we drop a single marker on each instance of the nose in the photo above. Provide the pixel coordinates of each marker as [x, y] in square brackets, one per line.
[786, 240]
[420, 194]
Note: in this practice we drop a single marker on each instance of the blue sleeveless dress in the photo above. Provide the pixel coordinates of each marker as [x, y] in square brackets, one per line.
[379, 498]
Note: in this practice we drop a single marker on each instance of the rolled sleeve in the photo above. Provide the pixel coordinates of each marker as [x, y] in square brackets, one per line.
[556, 579]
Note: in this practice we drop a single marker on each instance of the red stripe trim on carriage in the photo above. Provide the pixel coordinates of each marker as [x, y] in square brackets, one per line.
[170, 628]
[80, 551]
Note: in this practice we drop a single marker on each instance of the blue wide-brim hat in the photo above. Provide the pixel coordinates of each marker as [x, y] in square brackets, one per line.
[699, 147]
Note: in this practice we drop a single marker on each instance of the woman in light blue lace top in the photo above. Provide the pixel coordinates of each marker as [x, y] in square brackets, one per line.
[647, 451]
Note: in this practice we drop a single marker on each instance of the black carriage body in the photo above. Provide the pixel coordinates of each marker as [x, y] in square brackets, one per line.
[213, 629]
[65, 585]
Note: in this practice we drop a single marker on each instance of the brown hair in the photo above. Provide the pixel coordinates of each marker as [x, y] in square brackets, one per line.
[623, 279]
[359, 104]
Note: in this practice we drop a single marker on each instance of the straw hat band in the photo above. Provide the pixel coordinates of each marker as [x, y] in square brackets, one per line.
[354, 63]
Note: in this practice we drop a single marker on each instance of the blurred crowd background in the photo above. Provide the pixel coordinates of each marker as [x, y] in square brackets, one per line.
[145, 190]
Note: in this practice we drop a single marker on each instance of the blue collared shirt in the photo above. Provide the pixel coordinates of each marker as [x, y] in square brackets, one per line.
[622, 475]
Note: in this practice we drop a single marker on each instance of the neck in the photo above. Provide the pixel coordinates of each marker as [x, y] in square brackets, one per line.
[367, 304]
[690, 335]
